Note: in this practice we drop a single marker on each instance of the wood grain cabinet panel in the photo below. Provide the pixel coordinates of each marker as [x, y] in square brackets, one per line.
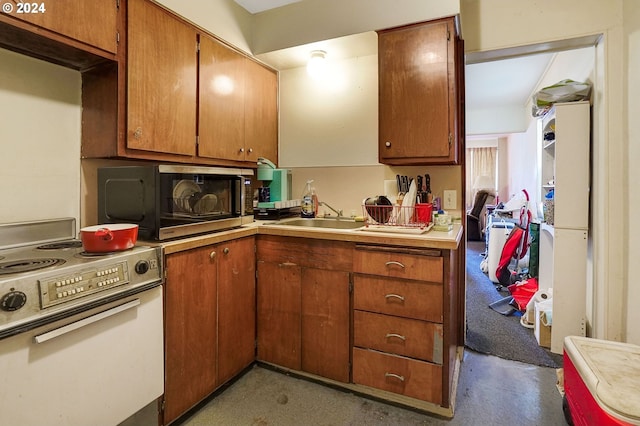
[236, 307]
[92, 22]
[402, 336]
[162, 81]
[190, 330]
[304, 305]
[279, 325]
[221, 101]
[409, 299]
[209, 321]
[425, 267]
[401, 375]
[261, 112]
[419, 103]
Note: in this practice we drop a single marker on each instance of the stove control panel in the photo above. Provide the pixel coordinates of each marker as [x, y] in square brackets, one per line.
[61, 289]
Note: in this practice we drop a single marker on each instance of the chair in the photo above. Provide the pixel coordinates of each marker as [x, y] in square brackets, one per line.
[474, 221]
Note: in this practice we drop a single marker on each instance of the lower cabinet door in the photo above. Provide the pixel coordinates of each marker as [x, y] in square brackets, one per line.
[325, 323]
[401, 375]
[278, 313]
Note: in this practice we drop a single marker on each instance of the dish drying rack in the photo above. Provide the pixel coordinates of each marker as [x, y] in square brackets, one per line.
[407, 219]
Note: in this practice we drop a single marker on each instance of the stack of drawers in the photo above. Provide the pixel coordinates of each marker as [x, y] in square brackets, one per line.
[398, 321]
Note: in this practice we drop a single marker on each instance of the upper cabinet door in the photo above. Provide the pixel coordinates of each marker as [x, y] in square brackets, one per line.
[221, 101]
[162, 81]
[261, 113]
[91, 22]
[418, 104]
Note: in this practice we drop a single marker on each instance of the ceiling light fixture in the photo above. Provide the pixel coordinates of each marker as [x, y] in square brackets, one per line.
[317, 63]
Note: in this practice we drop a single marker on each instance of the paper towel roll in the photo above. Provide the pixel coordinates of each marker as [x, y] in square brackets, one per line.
[539, 297]
[391, 190]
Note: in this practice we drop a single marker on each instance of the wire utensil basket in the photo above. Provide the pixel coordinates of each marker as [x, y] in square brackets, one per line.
[412, 218]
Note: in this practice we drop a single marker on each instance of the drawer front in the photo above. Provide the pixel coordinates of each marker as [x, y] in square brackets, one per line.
[399, 265]
[306, 252]
[408, 337]
[392, 373]
[410, 299]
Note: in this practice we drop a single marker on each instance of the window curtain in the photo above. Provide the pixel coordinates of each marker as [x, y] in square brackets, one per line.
[479, 162]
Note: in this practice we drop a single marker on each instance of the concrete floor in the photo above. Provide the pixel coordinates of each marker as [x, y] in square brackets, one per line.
[491, 391]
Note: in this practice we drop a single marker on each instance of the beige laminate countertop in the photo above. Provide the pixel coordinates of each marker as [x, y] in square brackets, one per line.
[431, 239]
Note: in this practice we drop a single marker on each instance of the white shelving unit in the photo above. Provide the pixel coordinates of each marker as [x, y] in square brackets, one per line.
[565, 169]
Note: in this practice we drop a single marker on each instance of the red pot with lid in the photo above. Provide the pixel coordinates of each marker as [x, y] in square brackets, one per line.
[109, 238]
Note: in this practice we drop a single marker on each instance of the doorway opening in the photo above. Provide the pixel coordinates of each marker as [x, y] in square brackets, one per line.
[499, 116]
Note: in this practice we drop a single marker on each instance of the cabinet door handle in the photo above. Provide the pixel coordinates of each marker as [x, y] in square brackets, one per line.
[286, 264]
[387, 144]
[225, 250]
[241, 150]
[395, 376]
[397, 296]
[250, 150]
[393, 262]
[399, 336]
[212, 255]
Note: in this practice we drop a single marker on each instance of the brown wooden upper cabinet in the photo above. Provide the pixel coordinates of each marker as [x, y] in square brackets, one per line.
[187, 97]
[237, 105]
[162, 70]
[78, 34]
[420, 99]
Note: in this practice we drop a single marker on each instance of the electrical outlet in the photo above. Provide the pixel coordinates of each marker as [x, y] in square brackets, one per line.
[449, 202]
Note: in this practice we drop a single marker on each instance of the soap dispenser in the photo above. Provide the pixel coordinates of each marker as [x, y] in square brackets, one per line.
[308, 209]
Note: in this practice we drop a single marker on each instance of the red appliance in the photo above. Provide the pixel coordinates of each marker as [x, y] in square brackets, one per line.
[601, 382]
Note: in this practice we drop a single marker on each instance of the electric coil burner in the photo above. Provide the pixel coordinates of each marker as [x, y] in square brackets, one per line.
[45, 275]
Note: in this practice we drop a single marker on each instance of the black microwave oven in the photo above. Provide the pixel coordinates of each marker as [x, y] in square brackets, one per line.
[171, 201]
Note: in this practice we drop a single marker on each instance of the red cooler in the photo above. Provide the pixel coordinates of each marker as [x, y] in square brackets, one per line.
[601, 381]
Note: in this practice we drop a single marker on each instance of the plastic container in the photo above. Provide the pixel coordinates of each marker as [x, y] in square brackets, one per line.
[601, 382]
[307, 208]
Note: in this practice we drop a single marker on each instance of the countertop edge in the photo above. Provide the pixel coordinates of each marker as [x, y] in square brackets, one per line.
[433, 239]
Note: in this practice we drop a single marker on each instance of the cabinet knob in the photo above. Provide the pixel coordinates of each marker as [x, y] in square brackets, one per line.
[241, 150]
[212, 255]
[250, 150]
[225, 250]
[387, 144]
[138, 133]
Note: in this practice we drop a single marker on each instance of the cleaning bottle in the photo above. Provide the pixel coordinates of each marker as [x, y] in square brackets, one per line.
[307, 207]
[314, 199]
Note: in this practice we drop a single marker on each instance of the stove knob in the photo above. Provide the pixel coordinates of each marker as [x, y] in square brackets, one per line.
[142, 267]
[13, 301]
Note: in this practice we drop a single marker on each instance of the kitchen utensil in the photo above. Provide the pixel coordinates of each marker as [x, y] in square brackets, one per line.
[379, 208]
[408, 203]
[109, 238]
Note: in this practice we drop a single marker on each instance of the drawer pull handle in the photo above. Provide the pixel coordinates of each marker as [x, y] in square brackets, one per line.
[395, 376]
[397, 296]
[393, 262]
[399, 336]
[286, 264]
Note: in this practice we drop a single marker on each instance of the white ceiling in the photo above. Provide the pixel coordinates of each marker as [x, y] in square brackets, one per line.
[256, 6]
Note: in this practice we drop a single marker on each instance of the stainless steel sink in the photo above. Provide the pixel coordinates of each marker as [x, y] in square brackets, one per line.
[321, 223]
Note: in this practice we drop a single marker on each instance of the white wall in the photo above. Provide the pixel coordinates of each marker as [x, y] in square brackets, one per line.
[632, 203]
[332, 121]
[40, 108]
[224, 18]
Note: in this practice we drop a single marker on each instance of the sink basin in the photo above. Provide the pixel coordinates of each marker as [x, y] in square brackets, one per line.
[322, 223]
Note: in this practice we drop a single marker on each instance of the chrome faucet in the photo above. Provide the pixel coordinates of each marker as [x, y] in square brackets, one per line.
[338, 212]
